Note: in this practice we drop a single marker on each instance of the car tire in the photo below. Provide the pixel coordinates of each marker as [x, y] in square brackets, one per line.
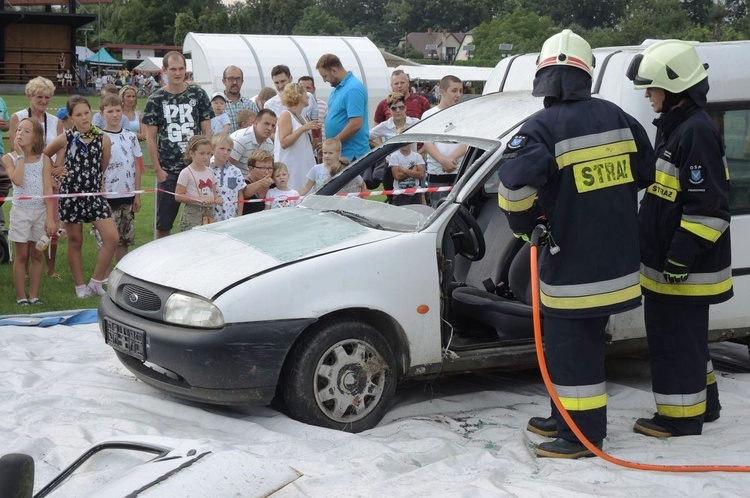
[341, 376]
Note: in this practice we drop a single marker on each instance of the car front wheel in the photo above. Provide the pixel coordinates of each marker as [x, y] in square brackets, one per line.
[342, 376]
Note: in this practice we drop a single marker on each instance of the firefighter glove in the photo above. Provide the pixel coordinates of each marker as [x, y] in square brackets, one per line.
[674, 272]
[525, 235]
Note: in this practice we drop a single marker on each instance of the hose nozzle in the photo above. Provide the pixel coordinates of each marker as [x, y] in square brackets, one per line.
[538, 234]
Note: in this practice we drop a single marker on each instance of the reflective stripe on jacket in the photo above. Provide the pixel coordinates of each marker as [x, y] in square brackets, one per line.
[580, 165]
[684, 215]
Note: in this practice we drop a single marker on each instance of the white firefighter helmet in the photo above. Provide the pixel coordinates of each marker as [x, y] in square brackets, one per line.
[566, 49]
[672, 65]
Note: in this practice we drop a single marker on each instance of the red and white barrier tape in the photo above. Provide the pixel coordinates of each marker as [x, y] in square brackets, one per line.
[406, 191]
[83, 194]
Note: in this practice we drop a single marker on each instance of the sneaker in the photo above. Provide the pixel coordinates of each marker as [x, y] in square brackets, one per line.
[94, 291]
[650, 427]
[22, 302]
[35, 300]
[81, 291]
[546, 427]
[562, 448]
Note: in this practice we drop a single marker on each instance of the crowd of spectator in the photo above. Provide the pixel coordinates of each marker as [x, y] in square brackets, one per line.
[214, 158]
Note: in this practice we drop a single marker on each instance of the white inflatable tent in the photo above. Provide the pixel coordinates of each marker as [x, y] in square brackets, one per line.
[257, 54]
[436, 73]
[154, 65]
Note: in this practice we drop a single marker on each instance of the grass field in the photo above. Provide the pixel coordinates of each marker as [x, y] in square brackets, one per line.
[60, 294]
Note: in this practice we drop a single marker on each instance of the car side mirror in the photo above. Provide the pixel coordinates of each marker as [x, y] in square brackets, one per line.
[16, 476]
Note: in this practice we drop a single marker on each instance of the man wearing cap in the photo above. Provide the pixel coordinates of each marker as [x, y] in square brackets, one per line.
[220, 121]
[233, 79]
[62, 116]
[576, 168]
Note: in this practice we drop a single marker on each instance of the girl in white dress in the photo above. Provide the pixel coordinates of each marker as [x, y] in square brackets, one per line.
[39, 91]
[31, 219]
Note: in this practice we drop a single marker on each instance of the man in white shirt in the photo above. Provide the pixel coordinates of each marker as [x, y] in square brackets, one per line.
[257, 136]
[444, 158]
[281, 77]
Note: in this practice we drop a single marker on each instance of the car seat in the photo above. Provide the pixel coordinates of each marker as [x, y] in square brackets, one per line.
[511, 319]
[501, 248]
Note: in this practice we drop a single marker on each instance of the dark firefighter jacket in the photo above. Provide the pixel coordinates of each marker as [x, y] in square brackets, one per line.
[684, 215]
[580, 164]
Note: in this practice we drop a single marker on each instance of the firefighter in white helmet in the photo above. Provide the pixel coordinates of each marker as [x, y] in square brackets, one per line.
[685, 242]
[577, 166]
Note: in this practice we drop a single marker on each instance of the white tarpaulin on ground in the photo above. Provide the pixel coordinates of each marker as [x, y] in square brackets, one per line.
[62, 389]
[436, 73]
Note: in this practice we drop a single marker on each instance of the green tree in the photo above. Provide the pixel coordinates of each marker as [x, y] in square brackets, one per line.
[274, 17]
[735, 10]
[525, 30]
[660, 19]
[586, 13]
[183, 24]
[699, 11]
[316, 21]
[146, 21]
[454, 15]
[214, 22]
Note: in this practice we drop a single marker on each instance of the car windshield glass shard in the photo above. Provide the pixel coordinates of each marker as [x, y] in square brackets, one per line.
[387, 216]
[356, 217]
[289, 234]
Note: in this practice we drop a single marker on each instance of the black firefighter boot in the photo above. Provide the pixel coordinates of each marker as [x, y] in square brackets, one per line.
[546, 427]
[562, 448]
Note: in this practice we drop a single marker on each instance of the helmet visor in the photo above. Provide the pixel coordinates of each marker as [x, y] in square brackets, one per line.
[632, 72]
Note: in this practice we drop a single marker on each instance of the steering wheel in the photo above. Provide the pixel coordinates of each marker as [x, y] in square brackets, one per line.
[467, 236]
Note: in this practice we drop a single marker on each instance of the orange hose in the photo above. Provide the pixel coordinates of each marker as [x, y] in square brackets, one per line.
[569, 420]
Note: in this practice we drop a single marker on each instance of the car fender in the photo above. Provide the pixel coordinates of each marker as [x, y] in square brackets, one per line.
[397, 276]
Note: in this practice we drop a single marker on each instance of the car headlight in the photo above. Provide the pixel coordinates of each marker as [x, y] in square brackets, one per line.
[113, 282]
[192, 311]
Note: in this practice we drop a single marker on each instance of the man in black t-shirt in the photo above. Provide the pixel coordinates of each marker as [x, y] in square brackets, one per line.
[173, 114]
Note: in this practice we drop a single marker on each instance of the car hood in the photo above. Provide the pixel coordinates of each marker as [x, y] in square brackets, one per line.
[207, 259]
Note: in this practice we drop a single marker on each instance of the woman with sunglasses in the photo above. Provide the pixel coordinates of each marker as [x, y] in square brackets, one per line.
[391, 127]
[394, 125]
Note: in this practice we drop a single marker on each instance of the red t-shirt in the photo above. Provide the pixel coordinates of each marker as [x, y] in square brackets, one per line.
[415, 106]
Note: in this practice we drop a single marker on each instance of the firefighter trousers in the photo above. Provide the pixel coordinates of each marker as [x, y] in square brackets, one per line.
[682, 374]
[575, 357]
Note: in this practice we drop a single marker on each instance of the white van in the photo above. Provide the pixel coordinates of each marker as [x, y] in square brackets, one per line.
[326, 306]
[728, 104]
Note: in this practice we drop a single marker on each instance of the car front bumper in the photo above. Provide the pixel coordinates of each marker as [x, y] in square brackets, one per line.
[237, 364]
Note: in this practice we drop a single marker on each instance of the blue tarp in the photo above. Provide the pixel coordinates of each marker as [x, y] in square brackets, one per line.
[72, 317]
[103, 57]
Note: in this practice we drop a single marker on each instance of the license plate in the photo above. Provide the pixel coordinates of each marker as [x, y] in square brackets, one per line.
[126, 339]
